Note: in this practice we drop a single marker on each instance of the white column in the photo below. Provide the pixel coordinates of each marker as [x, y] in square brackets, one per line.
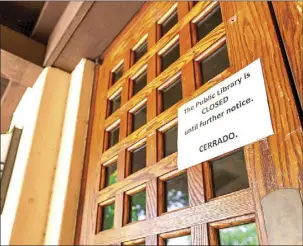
[65, 197]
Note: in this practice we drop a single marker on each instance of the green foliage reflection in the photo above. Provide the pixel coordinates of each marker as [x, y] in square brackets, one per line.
[138, 206]
[108, 216]
[239, 235]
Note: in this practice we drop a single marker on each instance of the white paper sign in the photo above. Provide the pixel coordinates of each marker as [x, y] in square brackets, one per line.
[230, 115]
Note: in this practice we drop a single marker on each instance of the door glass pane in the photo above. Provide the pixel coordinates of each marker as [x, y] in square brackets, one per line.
[184, 240]
[214, 64]
[110, 174]
[229, 174]
[239, 235]
[207, 24]
[169, 23]
[138, 206]
[170, 56]
[113, 137]
[140, 51]
[139, 83]
[172, 94]
[117, 74]
[176, 192]
[139, 118]
[108, 217]
[114, 104]
[138, 159]
[170, 141]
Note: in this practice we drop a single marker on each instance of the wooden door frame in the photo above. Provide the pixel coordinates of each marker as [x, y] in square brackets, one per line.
[270, 164]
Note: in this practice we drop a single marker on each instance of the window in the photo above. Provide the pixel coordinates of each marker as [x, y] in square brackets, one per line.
[176, 193]
[171, 94]
[106, 217]
[180, 237]
[140, 51]
[170, 138]
[170, 56]
[183, 240]
[138, 118]
[214, 64]
[139, 83]
[209, 22]
[114, 104]
[140, 241]
[113, 136]
[137, 159]
[169, 23]
[136, 206]
[117, 73]
[239, 235]
[229, 174]
[110, 174]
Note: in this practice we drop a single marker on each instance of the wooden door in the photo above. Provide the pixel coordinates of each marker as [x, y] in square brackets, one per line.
[167, 55]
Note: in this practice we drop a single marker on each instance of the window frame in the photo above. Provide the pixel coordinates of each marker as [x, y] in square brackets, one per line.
[128, 164]
[126, 204]
[103, 172]
[100, 215]
[111, 76]
[161, 191]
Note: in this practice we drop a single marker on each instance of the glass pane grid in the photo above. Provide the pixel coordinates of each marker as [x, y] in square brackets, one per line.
[108, 217]
[115, 104]
[139, 52]
[117, 74]
[214, 64]
[139, 83]
[137, 206]
[113, 136]
[170, 138]
[245, 234]
[171, 94]
[139, 118]
[169, 23]
[138, 159]
[183, 240]
[176, 193]
[229, 174]
[110, 174]
[209, 22]
[170, 56]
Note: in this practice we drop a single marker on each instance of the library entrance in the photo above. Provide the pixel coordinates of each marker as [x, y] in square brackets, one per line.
[167, 55]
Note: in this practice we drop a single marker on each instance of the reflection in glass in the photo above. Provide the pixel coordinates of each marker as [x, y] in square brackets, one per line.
[113, 136]
[239, 235]
[114, 104]
[210, 22]
[169, 23]
[229, 174]
[139, 118]
[139, 83]
[108, 216]
[185, 240]
[170, 138]
[176, 191]
[110, 174]
[117, 74]
[172, 94]
[138, 159]
[138, 206]
[140, 51]
[170, 56]
[214, 64]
